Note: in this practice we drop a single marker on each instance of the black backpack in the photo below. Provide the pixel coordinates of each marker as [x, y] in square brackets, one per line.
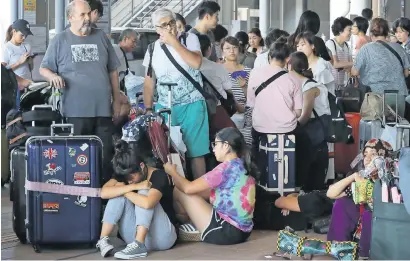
[337, 127]
[9, 88]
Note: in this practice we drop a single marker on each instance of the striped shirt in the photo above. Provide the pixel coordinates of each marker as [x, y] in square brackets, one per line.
[343, 54]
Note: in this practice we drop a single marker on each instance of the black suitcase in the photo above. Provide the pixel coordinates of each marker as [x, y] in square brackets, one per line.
[17, 192]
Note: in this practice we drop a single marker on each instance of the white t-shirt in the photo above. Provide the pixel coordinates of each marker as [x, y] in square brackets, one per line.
[217, 75]
[321, 104]
[165, 71]
[343, 54]
[262, 60]
[322, 73]
[12, 54]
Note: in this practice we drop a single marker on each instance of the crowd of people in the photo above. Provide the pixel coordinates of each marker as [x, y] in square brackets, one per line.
[153, 206]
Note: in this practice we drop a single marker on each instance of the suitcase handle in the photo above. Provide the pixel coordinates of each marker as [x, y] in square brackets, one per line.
[71, 126]
[44, 106]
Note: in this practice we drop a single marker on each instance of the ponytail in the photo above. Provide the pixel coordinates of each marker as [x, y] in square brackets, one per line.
[251, 168]
[9, 33]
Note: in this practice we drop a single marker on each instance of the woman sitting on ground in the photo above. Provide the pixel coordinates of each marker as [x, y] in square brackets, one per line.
[352, 222]
[230, 188]
[140, 203]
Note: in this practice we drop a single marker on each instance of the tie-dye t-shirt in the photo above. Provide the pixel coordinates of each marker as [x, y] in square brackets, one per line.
[233, 193]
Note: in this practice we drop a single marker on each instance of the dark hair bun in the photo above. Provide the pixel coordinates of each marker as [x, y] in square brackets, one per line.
[282, 40]
[120, 146]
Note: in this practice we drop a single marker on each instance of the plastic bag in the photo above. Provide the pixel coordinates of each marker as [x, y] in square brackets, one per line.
[133, 84]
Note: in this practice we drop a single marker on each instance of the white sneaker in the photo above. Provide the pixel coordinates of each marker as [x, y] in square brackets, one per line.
[104, 246]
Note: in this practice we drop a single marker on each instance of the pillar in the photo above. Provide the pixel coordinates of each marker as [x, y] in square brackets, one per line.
[59, 16]
[14, 10]
[264, 16]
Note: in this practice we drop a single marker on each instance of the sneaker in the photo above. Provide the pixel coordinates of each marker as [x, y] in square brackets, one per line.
[189, 233]
[104, 246]
[132, 251]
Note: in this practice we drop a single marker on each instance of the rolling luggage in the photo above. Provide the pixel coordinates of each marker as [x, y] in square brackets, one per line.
[346, 153]
[277, 162]
[17, 192]
[76, 163]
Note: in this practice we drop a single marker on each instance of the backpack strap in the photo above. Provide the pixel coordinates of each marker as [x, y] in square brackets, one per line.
[268, 81]
[126, 60]
[151, 53]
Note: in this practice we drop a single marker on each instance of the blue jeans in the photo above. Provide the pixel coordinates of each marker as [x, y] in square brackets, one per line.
[122, 212]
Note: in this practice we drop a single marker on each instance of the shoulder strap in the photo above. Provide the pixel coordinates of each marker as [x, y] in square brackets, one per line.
[392, 51]
[151, 52]
[268, 81]
[182, 70]
[126, 60]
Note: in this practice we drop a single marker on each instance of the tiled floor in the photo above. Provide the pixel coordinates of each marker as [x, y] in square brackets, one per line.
[260, 245]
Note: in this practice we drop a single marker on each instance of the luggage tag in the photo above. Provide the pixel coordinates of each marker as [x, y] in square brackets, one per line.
[356, 160]
[385, 193]
[395, 195]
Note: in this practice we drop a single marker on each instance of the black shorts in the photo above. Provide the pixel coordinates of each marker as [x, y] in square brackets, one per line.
[220, 232]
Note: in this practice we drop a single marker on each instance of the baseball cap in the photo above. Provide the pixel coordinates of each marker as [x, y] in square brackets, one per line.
[22, 26]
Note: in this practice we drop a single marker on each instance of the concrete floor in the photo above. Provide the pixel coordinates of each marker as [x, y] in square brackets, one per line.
[259, 247]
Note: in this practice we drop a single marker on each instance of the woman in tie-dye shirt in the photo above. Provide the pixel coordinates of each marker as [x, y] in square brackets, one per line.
[230, 189]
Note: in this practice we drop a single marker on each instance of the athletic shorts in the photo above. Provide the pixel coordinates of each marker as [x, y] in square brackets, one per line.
[220, 232]
[193, 120]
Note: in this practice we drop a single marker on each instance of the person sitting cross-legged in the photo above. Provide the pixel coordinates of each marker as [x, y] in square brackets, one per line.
[230, 187]
[140, 204]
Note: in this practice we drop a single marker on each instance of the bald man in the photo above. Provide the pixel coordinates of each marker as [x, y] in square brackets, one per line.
[82, 63]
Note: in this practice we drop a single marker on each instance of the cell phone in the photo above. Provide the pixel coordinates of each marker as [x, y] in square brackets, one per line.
[237, 74]
[33, 55]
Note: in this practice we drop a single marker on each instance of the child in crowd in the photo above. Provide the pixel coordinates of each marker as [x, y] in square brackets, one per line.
[140, 204]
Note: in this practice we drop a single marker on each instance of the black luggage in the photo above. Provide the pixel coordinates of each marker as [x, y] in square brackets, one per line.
[17, 192]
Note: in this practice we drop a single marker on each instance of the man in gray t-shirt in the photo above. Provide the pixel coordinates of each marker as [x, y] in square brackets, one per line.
[208, 15]
[82, 63]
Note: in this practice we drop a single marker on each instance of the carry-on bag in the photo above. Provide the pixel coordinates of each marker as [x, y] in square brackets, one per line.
[390, 229]
[346, 153]
[69, 167]
[17, 192]
[277, 162]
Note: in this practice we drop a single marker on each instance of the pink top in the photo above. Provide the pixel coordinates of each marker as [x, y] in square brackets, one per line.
[274, 108]
[361, 40]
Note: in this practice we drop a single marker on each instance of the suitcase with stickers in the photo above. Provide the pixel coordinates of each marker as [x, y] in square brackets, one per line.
[60, 217]
[277, 163]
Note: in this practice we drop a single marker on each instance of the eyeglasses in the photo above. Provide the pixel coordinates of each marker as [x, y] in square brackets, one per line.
[166, 25]
[228, 49]
[213, 144]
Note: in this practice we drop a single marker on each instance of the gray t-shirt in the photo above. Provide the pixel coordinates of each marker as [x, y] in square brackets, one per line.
[84, 62]
[380, 69]
[211, 36]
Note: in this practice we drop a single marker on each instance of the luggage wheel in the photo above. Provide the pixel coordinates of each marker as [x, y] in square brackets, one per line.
[36, 248]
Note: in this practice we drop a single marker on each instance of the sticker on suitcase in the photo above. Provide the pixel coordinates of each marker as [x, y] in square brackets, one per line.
[81, 178]
[81, 201]
[55, 182]
[50, 153]
[51, 207]
[84, 147]
[52, 169]
[82, 160]
[71, 152]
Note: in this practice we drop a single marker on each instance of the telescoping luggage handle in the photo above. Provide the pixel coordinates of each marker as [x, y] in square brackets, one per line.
[168, 110]
[66, 125]
[400, 132]
[396, 92]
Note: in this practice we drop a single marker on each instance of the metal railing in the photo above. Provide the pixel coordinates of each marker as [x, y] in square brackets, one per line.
[132, 10]
[157, 5]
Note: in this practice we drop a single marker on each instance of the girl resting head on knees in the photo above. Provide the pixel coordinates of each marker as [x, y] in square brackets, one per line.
[352, 221]
[220, 204]
[140, 204]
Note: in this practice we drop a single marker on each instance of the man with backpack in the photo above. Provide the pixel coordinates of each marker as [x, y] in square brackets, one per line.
[208, 15]
[173, 60]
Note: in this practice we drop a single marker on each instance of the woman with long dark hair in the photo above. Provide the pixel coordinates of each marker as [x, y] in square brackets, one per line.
[256, 43]
[309, 22]
[230, 189]
[140, 204]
